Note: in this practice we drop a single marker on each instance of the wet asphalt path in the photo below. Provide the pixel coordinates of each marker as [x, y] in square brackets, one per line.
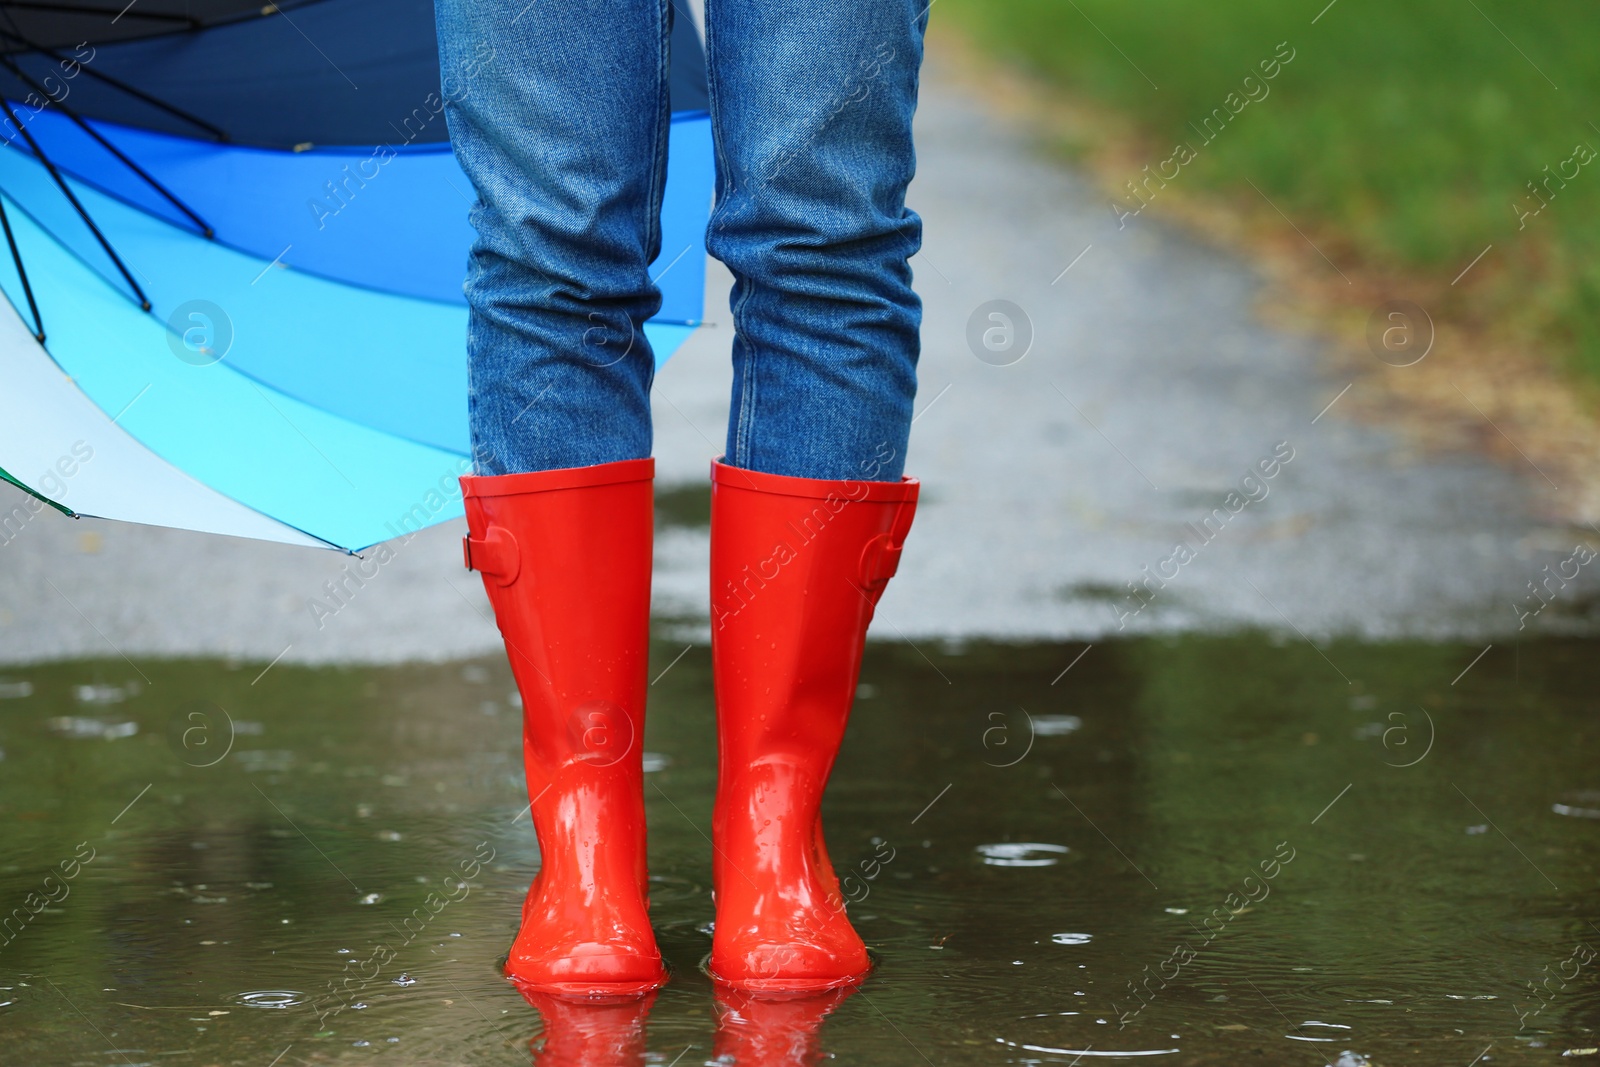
[1149, 392]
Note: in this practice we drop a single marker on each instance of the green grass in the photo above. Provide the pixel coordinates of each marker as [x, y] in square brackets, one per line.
[1408, 130]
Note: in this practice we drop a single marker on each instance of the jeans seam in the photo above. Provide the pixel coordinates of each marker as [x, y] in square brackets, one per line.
[656, 190]
[724, 172]
[658, 159]
[741, 417]
[744, 428]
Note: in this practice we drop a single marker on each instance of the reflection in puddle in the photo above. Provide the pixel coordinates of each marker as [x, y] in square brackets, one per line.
[768, 1030]
[589, 1033]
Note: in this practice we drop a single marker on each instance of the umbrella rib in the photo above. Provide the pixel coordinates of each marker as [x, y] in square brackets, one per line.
[117, 83]
[72, 198]
[85, 9]
[77, 119]
[22, 272]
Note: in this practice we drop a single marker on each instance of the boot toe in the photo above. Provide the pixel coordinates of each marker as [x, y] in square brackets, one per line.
[789, 966]
[587, 969]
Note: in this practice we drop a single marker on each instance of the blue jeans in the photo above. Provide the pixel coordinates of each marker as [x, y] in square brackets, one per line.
[564, 137]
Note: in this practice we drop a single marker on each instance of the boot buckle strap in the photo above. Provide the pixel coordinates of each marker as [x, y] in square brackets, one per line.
[495, 555]
[879, 560]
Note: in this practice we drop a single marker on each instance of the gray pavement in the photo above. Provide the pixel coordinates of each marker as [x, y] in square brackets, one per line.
[1149, 392]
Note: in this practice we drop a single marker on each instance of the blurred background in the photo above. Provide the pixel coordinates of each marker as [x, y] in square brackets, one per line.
[1406, 138]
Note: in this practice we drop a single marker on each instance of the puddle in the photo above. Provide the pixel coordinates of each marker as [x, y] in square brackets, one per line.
[197, 870]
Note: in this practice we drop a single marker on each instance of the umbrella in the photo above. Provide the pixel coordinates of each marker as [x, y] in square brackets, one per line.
[235, 243]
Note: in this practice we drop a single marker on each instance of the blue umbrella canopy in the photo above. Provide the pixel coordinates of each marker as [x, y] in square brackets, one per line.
[235, 243]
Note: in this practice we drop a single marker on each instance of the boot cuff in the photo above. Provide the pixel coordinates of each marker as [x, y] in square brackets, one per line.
[627, 470]
[903, 491]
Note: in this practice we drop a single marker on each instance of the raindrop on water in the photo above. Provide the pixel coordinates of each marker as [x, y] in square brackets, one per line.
[270, 998]
[1055, 725]
[1022, 854]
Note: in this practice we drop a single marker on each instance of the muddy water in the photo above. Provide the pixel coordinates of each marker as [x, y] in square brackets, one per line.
[1203, 850]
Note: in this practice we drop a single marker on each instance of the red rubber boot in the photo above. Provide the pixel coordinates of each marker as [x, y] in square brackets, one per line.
[797, 567]
[565, 557]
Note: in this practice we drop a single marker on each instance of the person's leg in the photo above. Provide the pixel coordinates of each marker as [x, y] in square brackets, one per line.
[558, 114]
[811, 109]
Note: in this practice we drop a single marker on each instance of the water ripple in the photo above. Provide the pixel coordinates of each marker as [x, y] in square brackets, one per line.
[270, 998]
[1022, 854]
[1110, 1053]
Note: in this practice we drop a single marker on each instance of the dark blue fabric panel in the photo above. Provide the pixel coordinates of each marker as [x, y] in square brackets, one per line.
[338, 72]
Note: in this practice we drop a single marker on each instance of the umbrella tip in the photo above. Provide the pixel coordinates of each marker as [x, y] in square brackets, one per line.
[144, 305]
